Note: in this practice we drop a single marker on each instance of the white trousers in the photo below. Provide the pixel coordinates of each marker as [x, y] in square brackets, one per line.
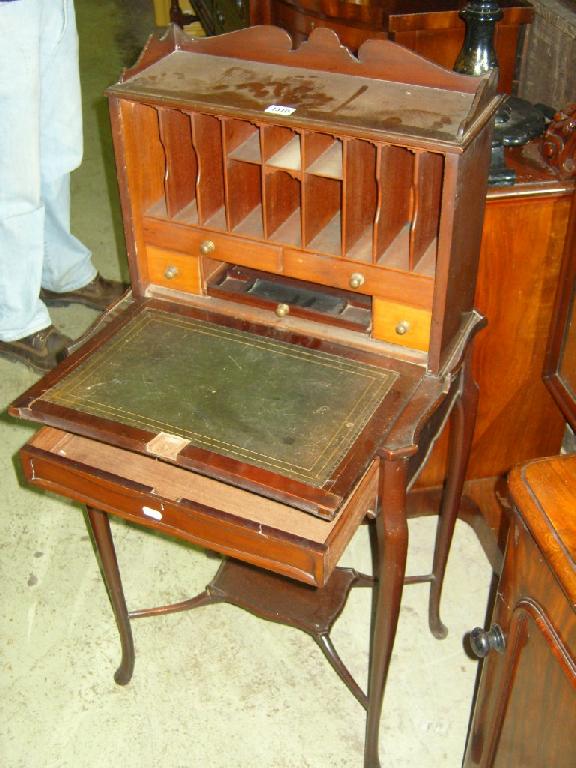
[40, 144]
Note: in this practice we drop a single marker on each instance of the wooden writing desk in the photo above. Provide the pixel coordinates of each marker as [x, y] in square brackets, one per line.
[303, 270]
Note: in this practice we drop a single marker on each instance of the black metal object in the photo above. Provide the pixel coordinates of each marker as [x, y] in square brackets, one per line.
[478, 55]
[517, 121]
[482, 641]
[177, 15]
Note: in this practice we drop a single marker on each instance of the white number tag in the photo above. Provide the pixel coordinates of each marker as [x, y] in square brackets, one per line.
[277, 109]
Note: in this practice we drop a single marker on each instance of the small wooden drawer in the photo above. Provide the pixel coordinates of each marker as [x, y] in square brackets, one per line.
[359, 277]
[215, 245]
[173, 270]
[401, 324]
[245, 253]
[198, 509]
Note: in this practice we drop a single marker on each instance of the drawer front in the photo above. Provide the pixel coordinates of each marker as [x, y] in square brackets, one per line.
[215, 245]
[245, 253]
[140, 489]
[401, 324]
[325, 270]
[172, 269]
[414, 290]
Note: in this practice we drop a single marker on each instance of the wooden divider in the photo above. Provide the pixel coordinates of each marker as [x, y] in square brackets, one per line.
[359, 200]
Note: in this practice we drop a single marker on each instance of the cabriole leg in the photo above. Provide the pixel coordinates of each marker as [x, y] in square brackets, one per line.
[392, 545]
[100, 526]
[462, 424]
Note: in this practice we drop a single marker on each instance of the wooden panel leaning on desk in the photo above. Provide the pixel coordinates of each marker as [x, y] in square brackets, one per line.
[432, 28]
[525, 228]
[303, 233]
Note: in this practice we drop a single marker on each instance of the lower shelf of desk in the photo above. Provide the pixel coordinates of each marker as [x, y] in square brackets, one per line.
[198, 509]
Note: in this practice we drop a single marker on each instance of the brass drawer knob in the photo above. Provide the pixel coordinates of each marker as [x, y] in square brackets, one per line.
[282, 310]
[207, 247]
[356, 280]
[171, 272]
[402, 327]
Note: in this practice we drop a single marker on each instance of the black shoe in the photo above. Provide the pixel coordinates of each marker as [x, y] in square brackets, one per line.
[98, 294]
[42, 350]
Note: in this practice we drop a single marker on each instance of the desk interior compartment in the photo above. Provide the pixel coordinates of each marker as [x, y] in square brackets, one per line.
[282, 205]
[323, 214]
[181, 165]
[244, 198]
[281, 147]
[360, 199]
[208, 144]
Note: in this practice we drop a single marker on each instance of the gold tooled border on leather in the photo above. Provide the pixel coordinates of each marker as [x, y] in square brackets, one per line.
[74, 392]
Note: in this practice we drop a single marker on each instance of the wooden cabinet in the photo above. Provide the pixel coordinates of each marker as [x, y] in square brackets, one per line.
[525, 712]
[525, 229]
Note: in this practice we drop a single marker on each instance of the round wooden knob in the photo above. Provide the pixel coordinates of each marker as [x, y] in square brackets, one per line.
[482, 641]
[282, 310]
[402, 327]
[207, 247]
[171, 272]
[356, 280]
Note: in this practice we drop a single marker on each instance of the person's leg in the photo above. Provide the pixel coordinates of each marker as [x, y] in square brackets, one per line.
[67, 262]
[22, 213]
[40, 143]
[68, 276]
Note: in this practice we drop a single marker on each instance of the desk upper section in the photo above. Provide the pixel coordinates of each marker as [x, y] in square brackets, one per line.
[388, 91]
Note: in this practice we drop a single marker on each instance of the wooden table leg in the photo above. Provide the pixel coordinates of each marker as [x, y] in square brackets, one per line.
[392, 545]
[462, 424]
[100, 526]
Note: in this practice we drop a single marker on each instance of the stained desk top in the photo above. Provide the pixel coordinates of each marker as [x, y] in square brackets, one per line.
[393, 91]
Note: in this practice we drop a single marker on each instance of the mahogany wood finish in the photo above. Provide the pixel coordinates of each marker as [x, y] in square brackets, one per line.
[560, 367]
[392, 540]
[319, 167]
[525, 712]
[100, 526]
[559, 142]
[524, 235]
[310, 196]
[284, 601]
[432, 28]
[109, 480]
[462, 427]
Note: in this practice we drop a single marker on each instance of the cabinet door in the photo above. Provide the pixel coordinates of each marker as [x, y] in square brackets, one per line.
[525, 713]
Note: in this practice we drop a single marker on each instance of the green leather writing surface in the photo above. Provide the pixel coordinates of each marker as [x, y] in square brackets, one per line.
[275, 405]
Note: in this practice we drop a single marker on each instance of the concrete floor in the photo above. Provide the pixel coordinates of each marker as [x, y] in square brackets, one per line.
[215, 687]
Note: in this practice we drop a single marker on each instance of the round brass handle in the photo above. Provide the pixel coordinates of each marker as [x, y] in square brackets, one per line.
[356, 280]
[207, 247]
[482, 641]
[402, 327]
[171, 272]
[282, 310]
